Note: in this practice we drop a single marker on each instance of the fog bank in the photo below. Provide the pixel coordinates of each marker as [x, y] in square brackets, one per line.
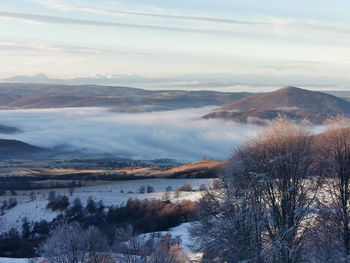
[179, 134]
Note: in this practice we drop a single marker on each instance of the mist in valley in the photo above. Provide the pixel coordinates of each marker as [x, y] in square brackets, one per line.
[181, 134]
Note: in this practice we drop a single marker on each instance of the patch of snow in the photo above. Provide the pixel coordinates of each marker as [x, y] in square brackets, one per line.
[14, 260]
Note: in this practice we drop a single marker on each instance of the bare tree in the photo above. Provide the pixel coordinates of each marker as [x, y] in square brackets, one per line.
[72, 244]
[266, 197]
[167, 195]
[150, 189]
[32, 196]
[96, 245]
[177, 192]
[230, 226]
[335, 149]
[71, 190]
[325, 243]
[129, 248]
[142, 189]
[284, 157]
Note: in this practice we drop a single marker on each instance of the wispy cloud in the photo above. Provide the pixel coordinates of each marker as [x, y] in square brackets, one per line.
[7, 45]
[65, 7]
[35, 18]
[279, 26]
[282, 67]
[274, 27]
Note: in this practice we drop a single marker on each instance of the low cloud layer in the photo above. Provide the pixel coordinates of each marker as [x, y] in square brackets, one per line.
[179, 134]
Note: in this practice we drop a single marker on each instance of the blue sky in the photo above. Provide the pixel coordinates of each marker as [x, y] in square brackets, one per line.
[76, 38]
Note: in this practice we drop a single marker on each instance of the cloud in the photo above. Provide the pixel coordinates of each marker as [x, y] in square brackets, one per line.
[274, 26]
[34, 18]
[65, 7]
[8, 45]
[279, 26]
[284, 67]
[180, 134]
[284, 28]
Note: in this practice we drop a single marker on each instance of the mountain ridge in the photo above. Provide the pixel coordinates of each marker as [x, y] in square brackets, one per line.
[293, 102]
[119, 98]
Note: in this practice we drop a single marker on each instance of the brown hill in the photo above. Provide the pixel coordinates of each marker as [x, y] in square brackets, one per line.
[291, 101]
[293, 98]
[121, 99]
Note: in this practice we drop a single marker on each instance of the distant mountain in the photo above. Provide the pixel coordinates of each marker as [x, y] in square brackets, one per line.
[119, 98]
[291, 101]
[8, 129]
[193, 81]
[14, 148]
[38, 78]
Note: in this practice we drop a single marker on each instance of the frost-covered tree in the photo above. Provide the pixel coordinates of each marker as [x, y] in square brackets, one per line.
[261, 211]
[334, 219]
[149, 189]
[72, 244]
[230, 226]
[25, 228]
[97, 246]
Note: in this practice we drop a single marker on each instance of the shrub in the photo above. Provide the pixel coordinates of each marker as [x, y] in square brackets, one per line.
[202, 187]
[177, 192]
[142, 189]
[32, 196]
[150, 189]
[91, 206]
[186, 188]
[151, 215]
[12, 203]
[52, 196]
[71, 190]
[60, 202]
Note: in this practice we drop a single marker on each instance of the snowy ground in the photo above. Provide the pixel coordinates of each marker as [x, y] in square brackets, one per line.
[110, 194]
[183, 232]
[14, 260]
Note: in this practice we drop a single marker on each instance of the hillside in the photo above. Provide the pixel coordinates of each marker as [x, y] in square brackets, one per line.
[121, 99]
[14, 148]
[294, 102]
[8, 129]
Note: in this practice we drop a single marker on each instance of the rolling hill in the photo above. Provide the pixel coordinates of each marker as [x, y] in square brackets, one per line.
[121, 99]
[293, 102]
[15, 148]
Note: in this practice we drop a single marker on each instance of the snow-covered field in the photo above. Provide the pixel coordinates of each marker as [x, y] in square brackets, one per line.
[14, 260]
[114, 193]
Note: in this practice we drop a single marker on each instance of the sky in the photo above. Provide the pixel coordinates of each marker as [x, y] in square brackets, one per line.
[77, 38]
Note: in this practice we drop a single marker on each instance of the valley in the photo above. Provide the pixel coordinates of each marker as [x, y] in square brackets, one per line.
[64, 148]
